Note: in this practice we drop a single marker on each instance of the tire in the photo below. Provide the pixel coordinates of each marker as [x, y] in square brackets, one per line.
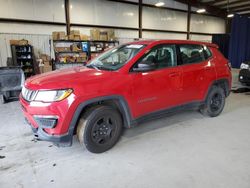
[2, 99]
[99, 128]
[214, 103]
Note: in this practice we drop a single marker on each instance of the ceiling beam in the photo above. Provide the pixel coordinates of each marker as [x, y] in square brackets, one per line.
[224, 5]
[244, 13]
[219, 1]
[241, 10]
[239, 7]
[211, 9]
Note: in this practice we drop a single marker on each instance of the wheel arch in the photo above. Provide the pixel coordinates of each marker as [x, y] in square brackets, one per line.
[223, 83]
[116, 101]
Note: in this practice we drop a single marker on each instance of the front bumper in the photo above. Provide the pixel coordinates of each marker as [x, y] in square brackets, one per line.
[244, 76]
[40, 134]
[50, 121]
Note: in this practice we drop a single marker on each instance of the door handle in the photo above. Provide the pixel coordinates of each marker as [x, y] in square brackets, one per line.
[173, 74]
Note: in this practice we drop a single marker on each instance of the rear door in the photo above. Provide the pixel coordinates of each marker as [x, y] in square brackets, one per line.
[197, 70]
[160, 88]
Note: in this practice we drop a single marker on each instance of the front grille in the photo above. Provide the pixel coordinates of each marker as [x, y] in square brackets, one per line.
[28, 94]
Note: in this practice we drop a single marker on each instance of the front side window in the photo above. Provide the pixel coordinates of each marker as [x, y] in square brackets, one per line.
[115, 58]
[191, 53]
[160, 56]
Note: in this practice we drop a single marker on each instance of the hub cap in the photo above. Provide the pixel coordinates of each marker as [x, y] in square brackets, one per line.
[216, 102]
[103, 130]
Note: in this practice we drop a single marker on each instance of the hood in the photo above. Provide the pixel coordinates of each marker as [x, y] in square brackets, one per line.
[66, 78]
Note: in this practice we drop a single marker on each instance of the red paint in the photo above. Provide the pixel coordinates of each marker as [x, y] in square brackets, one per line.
[144, 92]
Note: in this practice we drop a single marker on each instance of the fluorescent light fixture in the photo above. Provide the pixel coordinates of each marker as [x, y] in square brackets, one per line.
[128, 14]
[159, 4]
[230, 15]
[202, 10]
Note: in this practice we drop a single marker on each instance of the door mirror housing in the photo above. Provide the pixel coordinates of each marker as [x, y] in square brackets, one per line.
[145, 66]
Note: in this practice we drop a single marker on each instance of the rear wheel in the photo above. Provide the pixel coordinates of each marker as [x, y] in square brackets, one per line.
[214, 103]
[100, 128]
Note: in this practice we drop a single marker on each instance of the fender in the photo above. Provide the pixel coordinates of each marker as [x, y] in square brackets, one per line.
[122, 105]
[223, 81]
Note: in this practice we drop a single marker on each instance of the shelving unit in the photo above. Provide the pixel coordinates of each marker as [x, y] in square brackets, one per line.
[23, 56]
[70, 53]
[99, 46]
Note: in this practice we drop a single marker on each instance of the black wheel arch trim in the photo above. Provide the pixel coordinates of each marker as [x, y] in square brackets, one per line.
[222, 81]
[122, 105]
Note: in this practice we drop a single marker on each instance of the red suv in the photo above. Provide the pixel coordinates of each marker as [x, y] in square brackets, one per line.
[123, 86]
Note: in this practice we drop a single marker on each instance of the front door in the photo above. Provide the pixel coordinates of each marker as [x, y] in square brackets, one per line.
[160, 88]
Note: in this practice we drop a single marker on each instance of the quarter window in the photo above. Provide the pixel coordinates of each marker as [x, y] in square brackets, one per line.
[191, 53]
[207, 52]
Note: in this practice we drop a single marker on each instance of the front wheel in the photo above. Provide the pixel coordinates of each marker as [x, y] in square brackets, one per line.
[214, 103]
[100, 128]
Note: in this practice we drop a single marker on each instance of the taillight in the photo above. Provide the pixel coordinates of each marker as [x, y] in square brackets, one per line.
[229, 65]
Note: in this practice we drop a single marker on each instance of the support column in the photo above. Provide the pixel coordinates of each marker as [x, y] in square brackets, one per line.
[140, 18]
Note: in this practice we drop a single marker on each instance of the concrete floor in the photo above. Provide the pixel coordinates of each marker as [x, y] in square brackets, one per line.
[185, 150]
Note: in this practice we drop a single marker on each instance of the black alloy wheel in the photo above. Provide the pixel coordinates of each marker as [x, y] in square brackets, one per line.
[104, 130]
[214, 103]
[99, 128]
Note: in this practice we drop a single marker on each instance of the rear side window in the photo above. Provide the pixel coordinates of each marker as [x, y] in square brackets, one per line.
[207, 52]
[190, 53]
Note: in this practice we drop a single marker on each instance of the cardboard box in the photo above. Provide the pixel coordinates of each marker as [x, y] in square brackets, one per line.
[75, 32]
[84, 37]
[83, 54]
[103, 35]
[81, 59]
[47, 68]
[23, 42]
[77, 37]
[70, 59]
[55, 35]
[41, 69]
[95, 34]
[111, 35]
[14, 42]
[71, 37]
[75, 48]
[62, 49]
[61, 35]
[46, 63]
[45, 57]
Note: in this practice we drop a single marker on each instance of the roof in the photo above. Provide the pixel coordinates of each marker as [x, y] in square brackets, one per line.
[154, 42]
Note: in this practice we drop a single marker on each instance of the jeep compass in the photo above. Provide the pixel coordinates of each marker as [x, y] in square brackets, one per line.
[123, 86]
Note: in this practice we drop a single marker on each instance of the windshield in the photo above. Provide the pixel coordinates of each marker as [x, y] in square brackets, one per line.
[115, 58]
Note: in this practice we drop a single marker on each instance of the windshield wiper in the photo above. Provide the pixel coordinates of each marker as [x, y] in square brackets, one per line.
[92, 66]
[104, 68]
[99, 67]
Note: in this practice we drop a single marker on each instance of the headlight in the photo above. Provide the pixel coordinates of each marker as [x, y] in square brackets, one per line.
[244, 66]
[52, 95]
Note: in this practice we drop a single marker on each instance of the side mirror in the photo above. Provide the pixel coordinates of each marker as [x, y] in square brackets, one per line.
[144, 67]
